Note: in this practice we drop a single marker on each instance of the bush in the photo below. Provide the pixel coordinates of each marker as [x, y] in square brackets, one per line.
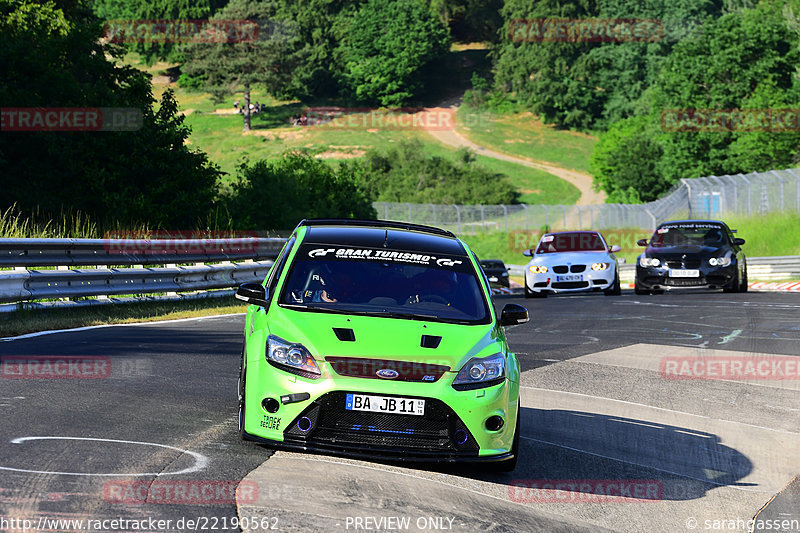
[278, 194]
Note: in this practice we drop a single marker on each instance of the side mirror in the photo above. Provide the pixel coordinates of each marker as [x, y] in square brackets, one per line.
[527, 253]
[252, 293]
[642, 242]
[616, 248]
[738, 241]
[513, 314]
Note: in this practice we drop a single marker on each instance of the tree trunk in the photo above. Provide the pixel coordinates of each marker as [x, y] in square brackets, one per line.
[246, 107]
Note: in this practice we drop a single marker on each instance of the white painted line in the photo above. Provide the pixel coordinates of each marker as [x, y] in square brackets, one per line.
[200, 460]
[86, 328]
[728, 338]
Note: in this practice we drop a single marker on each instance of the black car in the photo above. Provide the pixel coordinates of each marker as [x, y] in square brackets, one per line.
[691, 254]
[496, 272]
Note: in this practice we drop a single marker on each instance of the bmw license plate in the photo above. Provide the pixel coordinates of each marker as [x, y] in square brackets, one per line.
[385, 404]
[492, 278]
[684, 273]
[570, 277]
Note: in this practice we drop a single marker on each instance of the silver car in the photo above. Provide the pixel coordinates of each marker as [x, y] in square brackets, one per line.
[571, 261]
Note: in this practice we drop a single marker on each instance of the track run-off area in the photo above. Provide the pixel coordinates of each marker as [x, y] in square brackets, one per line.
[674, 412]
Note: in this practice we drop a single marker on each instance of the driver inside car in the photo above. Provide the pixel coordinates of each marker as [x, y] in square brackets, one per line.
[438, 286]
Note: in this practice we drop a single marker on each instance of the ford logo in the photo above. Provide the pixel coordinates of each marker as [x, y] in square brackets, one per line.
[387, 373]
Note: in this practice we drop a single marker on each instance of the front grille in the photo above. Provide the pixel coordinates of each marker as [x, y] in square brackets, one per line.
[599, 281]
[577, 268]
[570, 284]
[684, 282]
[687, 263]
[358, 367]
[540, 284]
[561, 269]
[329, 425]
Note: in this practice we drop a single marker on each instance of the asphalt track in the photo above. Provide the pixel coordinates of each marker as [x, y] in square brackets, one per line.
[599, 412]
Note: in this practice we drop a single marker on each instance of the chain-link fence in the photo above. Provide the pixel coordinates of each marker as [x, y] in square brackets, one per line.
[709, 197]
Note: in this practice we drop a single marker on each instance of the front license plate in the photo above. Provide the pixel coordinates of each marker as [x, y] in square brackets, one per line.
[385, 404]
[493, 278]
[684, 273]
[570, 277]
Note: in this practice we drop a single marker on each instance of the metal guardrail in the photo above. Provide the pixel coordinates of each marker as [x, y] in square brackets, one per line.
[119, 266]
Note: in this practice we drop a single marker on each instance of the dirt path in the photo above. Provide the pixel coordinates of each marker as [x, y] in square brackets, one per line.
[451, 137]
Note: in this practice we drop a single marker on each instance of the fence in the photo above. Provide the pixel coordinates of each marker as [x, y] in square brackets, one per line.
[128, 267]
[709, 197]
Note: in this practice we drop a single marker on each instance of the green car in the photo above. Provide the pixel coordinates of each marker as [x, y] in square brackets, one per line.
[378, 339]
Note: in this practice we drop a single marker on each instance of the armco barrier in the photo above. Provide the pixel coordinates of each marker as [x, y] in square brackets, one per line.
[125, 266]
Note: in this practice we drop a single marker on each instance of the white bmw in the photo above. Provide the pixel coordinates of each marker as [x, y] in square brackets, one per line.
[571, 261]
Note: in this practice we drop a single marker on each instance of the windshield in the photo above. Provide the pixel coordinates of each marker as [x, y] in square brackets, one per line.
[383, 282]
[571, 242]
[492, 264]
[699, 234]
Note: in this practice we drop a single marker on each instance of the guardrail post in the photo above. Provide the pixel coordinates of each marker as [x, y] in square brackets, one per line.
[433, 208]
[483, 219]
[780, 182]
[797, 187]
[525, 206]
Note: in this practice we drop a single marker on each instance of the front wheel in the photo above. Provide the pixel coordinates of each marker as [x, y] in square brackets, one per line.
[615, 289]
[637, 289]
[735, 285]
[744, 286]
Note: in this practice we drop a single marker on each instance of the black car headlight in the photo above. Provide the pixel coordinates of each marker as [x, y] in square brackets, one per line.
[291, 357]
[649, 261]
[720, 261]
[481, 372]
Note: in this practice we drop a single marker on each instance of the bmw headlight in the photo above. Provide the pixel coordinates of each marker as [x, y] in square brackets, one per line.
[538, 269]
[600, 266]
[291, 357]
[649, 261]
[481, 372]
[720, 261]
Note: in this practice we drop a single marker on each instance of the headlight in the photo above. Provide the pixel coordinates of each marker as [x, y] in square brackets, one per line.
[504, 274]
[481, 372]
[600, 266]
[649, 261]
[291, 357]
[538, 269]
[719, 261]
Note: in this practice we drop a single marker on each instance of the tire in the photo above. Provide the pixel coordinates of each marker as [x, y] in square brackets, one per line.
[240, 389]
[509, 465]
[615, 289]
[735, 285]
[637, 288]
[744, 287]
[532, 294]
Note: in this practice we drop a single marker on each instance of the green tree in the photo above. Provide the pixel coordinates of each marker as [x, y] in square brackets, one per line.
[386, 49]
[52, 57]
[117, 12]
[277, 194]
[270, 58]
[625, 162]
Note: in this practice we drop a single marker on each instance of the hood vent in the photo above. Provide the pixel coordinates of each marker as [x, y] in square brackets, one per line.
[345, 334]
[430, 341]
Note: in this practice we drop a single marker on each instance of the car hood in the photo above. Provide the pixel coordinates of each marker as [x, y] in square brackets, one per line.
[691, 249]
[385, 338]
[574, 258]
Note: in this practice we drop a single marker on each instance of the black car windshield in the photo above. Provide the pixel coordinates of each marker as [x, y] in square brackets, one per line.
[488, 263]
[383, 282]
[688, 234]
[578, 241]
